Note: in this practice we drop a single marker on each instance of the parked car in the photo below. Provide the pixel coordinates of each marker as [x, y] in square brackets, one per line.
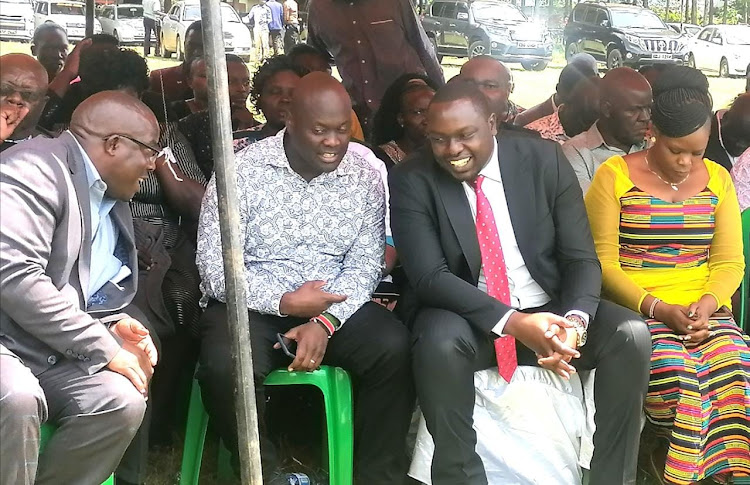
[721, 48]
[183, 13]
[16, 20]
[690, 30]
[500, 29]
[123, 21]
[71, 16]
[622, 35]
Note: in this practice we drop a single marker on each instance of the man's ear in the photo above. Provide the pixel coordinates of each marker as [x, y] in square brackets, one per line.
[605, 109]
[111, 144]
[492, 120]
[33, 50]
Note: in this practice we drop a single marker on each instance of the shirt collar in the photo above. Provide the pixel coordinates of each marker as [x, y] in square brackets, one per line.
[346, 167]
[92, 174]
[594, 139]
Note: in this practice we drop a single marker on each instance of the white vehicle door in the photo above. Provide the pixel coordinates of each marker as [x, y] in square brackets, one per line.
[716, 51]
[106, 18]
[700, 51]
[41, 11]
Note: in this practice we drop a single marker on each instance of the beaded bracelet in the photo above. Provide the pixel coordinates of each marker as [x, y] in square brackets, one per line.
[653, 307]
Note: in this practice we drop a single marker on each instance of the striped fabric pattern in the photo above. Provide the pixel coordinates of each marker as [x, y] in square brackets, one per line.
[658, 234]
[699, 398]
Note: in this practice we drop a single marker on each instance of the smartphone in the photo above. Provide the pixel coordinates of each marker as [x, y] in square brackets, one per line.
[287, 346]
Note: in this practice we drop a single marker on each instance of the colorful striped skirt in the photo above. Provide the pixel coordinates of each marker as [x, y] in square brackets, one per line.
[699, 398]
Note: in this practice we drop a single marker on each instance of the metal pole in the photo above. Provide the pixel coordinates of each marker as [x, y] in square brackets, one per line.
[229, 220]
[90, 17]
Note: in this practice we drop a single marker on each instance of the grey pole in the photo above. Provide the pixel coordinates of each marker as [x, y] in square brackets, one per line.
[90, 17]
[229, 220]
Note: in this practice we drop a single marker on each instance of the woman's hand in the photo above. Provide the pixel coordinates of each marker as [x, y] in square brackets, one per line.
[700, 312]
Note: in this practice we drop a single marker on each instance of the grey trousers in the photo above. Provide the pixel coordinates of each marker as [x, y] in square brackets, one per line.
[96, 415]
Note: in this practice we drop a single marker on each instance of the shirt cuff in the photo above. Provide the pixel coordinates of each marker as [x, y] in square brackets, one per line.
[586, 317]
[500, 326]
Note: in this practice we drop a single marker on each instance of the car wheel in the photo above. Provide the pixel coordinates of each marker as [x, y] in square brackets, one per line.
[691, 60]
[614, 59]
[178, 46]
[433, 41]
[477, 48]
[723, 68]
[162, 47]
[534, 65]
[571, 50]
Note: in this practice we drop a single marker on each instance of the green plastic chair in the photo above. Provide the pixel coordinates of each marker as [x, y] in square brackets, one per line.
[744, 310]
[336, 387]
[46, 433]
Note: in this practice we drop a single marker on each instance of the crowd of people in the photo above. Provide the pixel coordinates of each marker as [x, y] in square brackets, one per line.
[410, 230]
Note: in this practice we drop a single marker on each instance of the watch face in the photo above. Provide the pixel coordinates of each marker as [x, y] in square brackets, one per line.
[582, 337]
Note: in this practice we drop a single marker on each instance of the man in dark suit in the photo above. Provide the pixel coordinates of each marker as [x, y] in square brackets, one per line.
[526, 262]
[730, 133]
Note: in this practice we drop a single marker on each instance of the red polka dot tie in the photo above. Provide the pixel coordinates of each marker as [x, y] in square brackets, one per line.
[495, 275]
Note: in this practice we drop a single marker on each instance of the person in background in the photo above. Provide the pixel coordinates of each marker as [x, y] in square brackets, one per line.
[151, 19]
[171, 82]
[291, 21]
[311, 59]
[373, 43]
[578, 67]
[50, 46]
[74, 352]
[741, 177]
[198, 81]
[730, 132]
[652, 72]
[260, 18]
[667, 230]
[625, 107]
[399, 124]
[582, 109]
[23, 82]
[494, 80]
[276, 27]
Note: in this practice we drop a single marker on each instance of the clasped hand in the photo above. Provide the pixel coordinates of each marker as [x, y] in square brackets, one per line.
[690, 323]
[551, 337]
[137, 356]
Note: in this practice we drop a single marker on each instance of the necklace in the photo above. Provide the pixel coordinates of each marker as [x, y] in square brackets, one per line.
[673, 185]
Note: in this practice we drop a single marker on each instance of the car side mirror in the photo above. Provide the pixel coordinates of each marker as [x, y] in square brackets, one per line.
[462, 16]
[173, 16]
[604, 23]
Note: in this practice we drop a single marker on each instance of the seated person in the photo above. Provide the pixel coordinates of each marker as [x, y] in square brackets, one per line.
[171, 82]
[197, 126]
[582, 109]
[50, 46]
[72, 352]
[730, 133]
[398, 125]
[569, 77]
[197, 80]
[311, 265]
[492, 233]
[667, 231]
[311, 59]
[24, 82]
[625, 114]
[495, 80]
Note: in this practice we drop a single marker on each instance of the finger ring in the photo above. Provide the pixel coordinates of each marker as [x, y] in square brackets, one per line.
[312, 361]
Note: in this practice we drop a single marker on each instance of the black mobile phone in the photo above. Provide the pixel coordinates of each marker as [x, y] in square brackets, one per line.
[287, 345]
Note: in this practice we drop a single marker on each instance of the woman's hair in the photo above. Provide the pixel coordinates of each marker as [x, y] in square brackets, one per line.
[682, 103]
[385, 127]
[113, 69]
[271, 67]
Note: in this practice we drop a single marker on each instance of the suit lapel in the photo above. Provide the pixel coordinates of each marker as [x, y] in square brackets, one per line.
[81, 184]
[459, 213]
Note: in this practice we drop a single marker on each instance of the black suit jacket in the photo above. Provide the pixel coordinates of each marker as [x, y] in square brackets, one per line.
[436, 239]
[714, 151]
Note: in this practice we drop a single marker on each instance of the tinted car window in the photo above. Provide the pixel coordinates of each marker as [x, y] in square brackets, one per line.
[130, 12]
[644, 19]
[706, 34]
[450, 11]
[591, 16]
[580, 14]
[462, 11]
[67, 9]
[437, 9]
[601, 16]
[716, 39]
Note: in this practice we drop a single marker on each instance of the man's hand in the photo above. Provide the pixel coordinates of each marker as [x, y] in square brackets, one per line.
[144, 260]
[133, 363]
[11, 116]
[312, 341]
[73, 62]
[309, 300]
[133, 332]
[547, 335]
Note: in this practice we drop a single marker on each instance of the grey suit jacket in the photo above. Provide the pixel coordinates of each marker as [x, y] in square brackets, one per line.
[45, 256]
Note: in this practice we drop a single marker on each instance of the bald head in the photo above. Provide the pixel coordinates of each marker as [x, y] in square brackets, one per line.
[318, 125]
[735, 126]
[110, 112]
[579, 68]
[24, 82]
[23, 62]
[625, 105]
[493, 79]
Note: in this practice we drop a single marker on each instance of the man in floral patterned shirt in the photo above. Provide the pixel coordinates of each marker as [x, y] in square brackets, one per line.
[313, 228]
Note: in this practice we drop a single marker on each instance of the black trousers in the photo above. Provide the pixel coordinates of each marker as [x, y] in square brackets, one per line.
[447, 351]
[149, 26]
[372, 345]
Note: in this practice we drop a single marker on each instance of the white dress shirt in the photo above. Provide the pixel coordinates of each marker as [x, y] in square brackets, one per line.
[524, 291]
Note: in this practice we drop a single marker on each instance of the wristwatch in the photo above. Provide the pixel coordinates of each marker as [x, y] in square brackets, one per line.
[580, 330]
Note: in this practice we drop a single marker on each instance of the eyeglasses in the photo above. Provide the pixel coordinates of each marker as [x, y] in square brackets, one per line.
[156, 150]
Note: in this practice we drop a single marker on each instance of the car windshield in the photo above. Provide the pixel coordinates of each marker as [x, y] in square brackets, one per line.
[489, 12]
[17, 1]
[640, 19]
[738, 35]
[193, 13]
[692, 30]
[67, 9]
[130, 12]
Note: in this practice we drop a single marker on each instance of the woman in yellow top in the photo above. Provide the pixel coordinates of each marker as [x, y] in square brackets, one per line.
[667, 229]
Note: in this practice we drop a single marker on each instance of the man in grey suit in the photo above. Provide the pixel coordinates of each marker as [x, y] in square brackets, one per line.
[70, 352]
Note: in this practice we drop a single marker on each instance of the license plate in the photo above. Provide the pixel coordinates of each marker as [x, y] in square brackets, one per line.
[661, 56]
[76, 32]
[8, 32]
[528, 45]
